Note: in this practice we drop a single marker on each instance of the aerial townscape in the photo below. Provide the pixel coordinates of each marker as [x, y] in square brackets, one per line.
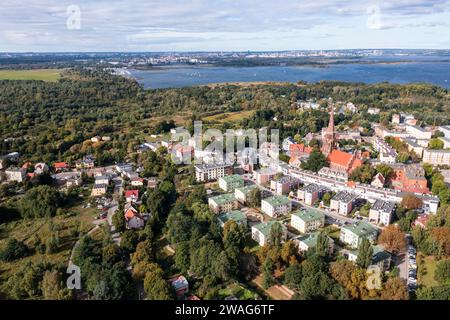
[236, 154]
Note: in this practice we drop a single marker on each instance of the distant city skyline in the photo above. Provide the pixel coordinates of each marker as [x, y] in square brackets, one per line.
[220, 25]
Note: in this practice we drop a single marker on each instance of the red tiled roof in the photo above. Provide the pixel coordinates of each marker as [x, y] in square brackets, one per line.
[60, 165]
[340, 158]
[297, 148]
[130, 193]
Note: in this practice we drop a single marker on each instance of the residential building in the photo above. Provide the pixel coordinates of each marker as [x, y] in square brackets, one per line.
[137, 182]
[99, 190]
[436, 157]
[410, 178]
[40, 168]
[421, 221]
[180, 285]
[307, 221]
[276, 206]
[264, 175]
[212, 172]
[381, 212]
[231, 182]
[241, 194]
[378, 181]
[85, 163]
[152, 182]
[123, 168]
[133, 218]
[237, 216]
[353, 234]
[287, 143]
[373, 111]
[284, 185]
[131, 196]
[61, 166]
[386, 152]
[102, 180]
[343, 202]
[223, 203]
[419, 132]
[380, 257]
[183, 153]
[446, 142]
[261, 232]
[311, 193]
[333, 174]
[298, 150]
[413, 146]
[309, 241]
[15, 174]
[445, 130]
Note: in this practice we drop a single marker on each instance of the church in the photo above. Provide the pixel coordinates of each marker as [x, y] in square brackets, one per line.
[339, 161]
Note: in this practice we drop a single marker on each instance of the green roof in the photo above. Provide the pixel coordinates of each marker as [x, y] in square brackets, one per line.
[277, 200]
[379, 254]
[223, 198]
[265, 227]
[310, 239]
[235, 215]
[234, 178]
[246, 189]
[360, 228]
[309, 215]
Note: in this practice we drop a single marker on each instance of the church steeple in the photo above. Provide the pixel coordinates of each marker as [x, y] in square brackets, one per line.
[329, 135]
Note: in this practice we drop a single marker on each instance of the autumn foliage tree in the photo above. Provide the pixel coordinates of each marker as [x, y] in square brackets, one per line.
[411, 202]
[395, 289]
[393, 239]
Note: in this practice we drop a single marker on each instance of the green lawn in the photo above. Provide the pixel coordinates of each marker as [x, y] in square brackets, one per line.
[426, 268]
[229, 116]
[49, 75]
[235, 289]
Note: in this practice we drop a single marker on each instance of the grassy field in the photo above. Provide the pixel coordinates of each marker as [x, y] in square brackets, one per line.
[229, 116]
[426, 268]
[49, 75]
[237, 290]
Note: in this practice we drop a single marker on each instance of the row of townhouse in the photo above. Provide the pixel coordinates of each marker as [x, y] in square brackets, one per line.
[370, 193]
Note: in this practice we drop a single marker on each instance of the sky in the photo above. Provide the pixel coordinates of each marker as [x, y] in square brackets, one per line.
[222, 25]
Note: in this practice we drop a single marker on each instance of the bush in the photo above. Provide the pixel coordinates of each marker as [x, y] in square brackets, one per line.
[13, 250]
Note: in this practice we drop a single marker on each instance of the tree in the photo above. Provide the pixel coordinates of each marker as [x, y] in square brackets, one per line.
[267, 273]
[403, 157]
[179, 227]
[442, 273]
[40, 201]
[411, 202]
[111, 254]
[144, 252]
[322, 247]
[326, 198]
[436, 144]
[350, 277]
[385, 170]
[315, 162]
[156, 286]
[288, 252]
[393, 239]
[53, 288]
[363, 174]
[365, 254]
[254, 197]
[275, 235]
[119, 221]
[395, 289]
[129, 241]
[293, 276]
[13, 250]
[182, 256]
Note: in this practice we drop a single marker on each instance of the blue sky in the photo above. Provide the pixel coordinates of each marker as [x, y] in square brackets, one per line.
[223, 25]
